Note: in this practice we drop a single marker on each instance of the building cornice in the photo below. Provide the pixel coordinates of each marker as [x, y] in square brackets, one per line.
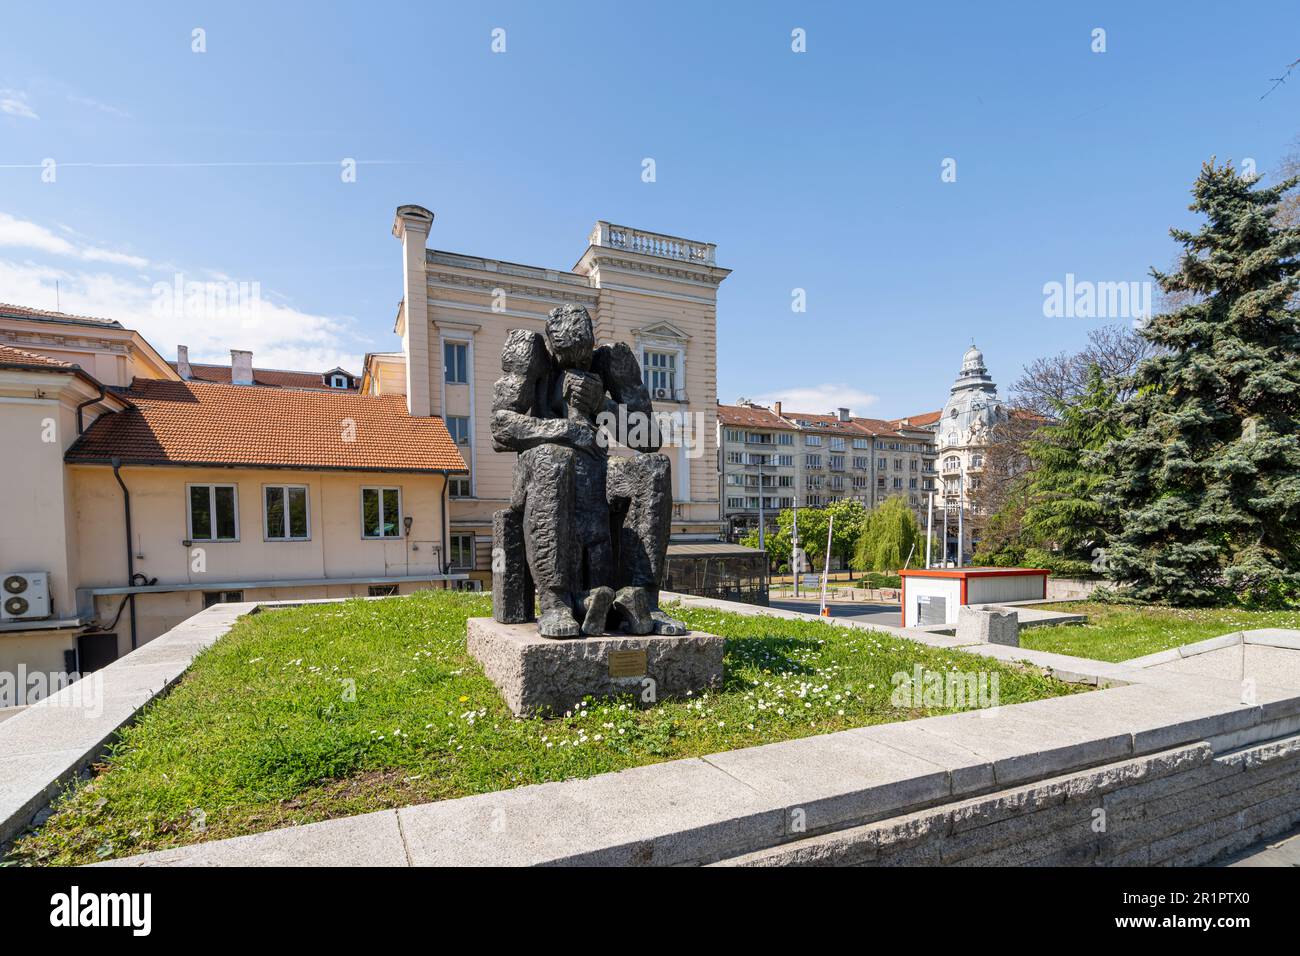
[511, 287]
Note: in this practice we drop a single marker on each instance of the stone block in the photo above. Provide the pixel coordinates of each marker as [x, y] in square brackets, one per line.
[370, 839]
[969, 772]
[538, 675]
[680, 812]
[987, 626]
[838, 779]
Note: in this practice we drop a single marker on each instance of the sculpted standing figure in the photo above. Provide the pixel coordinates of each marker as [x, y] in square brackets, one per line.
[593, 529]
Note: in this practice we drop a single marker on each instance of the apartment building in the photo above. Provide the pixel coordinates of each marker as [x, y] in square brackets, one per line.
[138, 492]
[655, 292]
[811, 460]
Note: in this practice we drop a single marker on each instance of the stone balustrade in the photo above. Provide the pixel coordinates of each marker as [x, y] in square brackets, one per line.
[652, 244]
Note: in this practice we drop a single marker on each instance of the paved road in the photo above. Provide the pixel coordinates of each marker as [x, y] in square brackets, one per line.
[1282, 850]
[857, 610]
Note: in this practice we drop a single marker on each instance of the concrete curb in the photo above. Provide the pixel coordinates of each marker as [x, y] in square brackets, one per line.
[43, 748]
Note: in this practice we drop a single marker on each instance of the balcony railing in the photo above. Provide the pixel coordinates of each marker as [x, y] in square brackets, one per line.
[652, 244]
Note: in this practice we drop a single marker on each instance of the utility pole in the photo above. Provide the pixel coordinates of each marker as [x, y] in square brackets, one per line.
[795, 567]
[826, 561]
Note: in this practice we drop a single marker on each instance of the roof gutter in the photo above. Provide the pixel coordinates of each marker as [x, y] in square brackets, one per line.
[77, 459]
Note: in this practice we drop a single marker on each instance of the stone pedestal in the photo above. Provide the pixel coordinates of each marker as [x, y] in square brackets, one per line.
[538, 675]
[978, 625]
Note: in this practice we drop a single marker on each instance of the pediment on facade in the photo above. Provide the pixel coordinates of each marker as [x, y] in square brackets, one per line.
[662, 330]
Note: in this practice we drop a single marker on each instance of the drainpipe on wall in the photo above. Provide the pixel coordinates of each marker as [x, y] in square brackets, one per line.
[446, 519]
[130, 550]
[90, 401]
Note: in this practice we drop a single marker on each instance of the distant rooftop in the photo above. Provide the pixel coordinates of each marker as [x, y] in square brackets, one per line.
[9, 311]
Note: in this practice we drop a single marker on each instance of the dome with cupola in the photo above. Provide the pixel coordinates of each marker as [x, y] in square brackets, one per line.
[973, 406]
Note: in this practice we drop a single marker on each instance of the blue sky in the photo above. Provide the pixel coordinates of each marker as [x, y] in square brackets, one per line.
[817, 170]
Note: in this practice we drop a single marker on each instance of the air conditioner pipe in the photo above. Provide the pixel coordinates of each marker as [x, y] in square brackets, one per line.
[130, 551]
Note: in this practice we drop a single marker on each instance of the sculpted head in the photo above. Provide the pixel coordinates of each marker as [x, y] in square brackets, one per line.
[569, 336]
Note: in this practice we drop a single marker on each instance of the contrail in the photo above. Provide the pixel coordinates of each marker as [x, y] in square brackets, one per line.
[302, 162]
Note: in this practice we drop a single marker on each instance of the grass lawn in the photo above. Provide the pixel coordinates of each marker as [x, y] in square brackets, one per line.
[265, 730]
[1119, 633]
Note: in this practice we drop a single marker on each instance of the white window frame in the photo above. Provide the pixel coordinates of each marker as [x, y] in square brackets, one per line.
[338, 381]
[284, 498]
[446, 371]
[453, 482]
[212, 505]
[451, 544]
[666, 371]
[361, 503]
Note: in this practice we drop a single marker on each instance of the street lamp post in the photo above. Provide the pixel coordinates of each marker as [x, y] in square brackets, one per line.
[794, 545]
[961, 514]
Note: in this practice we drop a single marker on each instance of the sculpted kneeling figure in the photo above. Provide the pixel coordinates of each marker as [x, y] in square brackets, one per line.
[593, 528]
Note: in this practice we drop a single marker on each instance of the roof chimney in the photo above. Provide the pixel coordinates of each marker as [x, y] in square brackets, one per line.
[844, 414]
[241, 367]
[183, 363]
[776, 409]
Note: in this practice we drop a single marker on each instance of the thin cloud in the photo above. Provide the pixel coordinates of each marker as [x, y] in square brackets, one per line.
[211, 316]
[820, 399]
[29, 235]
[14, 103]
[94, 104]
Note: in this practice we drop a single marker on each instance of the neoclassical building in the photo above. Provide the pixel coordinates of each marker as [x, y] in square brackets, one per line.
[656, 292]
[962, 438]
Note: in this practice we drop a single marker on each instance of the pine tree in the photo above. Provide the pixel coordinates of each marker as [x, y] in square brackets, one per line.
[1069, 469]
[1206, 488]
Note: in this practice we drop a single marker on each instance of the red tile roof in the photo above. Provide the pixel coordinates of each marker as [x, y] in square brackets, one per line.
[205, 423]
[11, 357]
[45, 315]
[272, 377]
[759, 416]
[918, 421]
[753, 416]
[825, 422]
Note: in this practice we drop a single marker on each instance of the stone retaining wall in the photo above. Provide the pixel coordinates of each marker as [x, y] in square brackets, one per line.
[1071, 589]
[1181, 807]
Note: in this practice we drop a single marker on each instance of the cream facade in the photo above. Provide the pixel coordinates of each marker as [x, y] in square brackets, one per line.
[335, 559]
[655, 292]
[69, 521]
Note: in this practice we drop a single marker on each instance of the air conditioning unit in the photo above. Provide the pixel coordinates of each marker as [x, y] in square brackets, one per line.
[25, 596]
[663, 393]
